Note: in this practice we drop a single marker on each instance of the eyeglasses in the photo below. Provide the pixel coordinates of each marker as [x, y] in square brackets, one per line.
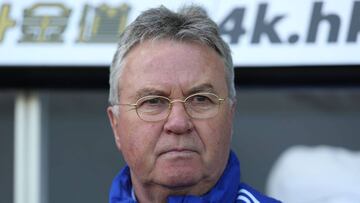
[154, 108]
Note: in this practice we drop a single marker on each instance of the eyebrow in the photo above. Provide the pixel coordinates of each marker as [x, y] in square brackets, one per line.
[206, 87]
[149, 91]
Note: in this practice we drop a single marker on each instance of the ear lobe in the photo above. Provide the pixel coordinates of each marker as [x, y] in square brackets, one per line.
[113, 118]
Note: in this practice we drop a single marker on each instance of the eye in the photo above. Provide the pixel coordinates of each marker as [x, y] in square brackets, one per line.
[153, 101]
[201, 100]
[152, 104]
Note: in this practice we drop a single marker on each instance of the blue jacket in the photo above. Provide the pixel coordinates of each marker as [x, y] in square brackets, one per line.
[227, 189]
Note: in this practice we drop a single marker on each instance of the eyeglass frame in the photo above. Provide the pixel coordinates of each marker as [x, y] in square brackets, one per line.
[171, 101]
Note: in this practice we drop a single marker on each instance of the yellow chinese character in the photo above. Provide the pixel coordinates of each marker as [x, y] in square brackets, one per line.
[103, 24]
[5, 21]
[45, 23]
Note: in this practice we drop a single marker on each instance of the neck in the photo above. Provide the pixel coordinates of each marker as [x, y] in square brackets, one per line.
[156, 193]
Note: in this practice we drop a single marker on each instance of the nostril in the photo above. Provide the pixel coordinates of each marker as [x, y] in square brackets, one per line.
[190, 130]
[178, 128]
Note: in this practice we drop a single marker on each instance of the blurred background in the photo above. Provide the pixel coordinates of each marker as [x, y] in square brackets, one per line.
[297, 76]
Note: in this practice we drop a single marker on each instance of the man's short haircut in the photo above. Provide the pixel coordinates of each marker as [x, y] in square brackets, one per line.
[190, 24]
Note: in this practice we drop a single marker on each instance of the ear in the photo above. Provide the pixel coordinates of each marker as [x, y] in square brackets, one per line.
[232, 115]
[233, 108]
[114, 121]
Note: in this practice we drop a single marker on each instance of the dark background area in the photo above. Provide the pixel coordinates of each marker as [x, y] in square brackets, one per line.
[97, 77]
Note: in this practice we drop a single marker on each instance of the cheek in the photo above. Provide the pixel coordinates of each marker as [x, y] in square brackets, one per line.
[221, 136]
[216, 135]
[223, 127]
[138, 140]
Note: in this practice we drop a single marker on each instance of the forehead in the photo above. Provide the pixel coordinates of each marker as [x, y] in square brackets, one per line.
[171, 66]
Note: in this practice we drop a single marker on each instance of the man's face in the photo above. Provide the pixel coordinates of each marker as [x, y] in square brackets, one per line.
[178, 151]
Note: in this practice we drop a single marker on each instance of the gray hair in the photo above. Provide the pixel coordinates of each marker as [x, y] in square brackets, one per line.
[189, 24]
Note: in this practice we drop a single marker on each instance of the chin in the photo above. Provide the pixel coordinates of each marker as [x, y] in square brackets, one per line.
[180, 178]
[179, 182]
[179, 172]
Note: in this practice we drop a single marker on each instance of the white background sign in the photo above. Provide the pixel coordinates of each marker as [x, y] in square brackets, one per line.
[260, 32]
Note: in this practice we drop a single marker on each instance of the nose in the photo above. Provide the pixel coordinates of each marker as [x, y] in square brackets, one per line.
[178, 121]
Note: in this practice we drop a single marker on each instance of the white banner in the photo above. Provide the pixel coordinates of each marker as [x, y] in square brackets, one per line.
[260, 32]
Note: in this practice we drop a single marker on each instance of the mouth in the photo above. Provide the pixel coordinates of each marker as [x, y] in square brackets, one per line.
[177, 151]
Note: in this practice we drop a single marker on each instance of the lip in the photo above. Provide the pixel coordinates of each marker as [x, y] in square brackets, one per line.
[177, 150]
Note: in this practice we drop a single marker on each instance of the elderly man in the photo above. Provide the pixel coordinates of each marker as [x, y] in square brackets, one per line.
[172, 99]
